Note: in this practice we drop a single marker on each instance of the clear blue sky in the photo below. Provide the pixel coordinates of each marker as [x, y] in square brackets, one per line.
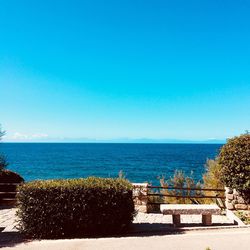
[124, 69]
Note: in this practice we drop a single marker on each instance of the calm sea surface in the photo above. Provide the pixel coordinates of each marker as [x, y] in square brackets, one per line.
[139, 162]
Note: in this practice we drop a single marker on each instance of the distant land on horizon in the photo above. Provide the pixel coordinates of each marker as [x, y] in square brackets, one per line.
[120, 140]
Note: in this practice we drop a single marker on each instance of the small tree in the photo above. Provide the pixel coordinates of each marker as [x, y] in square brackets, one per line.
[234, 159]
[212, 179]
[3, 162]
[212, 176]
[180, 180]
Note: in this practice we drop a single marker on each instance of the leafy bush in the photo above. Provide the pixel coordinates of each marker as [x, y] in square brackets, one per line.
[244, 216]
[212, 177]
[234, 159]
[212, 180]
[180, 180]
[7, 176]
[75, 207]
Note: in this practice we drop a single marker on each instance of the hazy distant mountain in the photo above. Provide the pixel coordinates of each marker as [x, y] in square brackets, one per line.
[118, 140]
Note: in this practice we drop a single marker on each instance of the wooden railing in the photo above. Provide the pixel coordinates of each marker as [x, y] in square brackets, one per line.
[191, 194]
[8, 193]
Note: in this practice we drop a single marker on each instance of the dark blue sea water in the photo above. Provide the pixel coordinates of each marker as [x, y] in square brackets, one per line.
[140, 162]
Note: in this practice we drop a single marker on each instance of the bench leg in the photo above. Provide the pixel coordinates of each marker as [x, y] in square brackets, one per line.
[176, 219]
[207, 219]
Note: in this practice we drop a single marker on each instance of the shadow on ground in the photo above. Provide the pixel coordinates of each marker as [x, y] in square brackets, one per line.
[10, 239]
[154, 229]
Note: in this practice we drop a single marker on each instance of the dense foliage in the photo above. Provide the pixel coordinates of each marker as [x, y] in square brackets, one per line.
[212, 177]
[76, 207]
[190, 189]
[234, 159]
[180, 180]
[244, 216]
[7, 176]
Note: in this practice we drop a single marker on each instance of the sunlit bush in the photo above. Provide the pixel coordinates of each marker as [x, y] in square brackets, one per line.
[234, 159]
[77, 207]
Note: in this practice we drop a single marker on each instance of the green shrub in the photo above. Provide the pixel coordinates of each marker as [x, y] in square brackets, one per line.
[212, 180]
[180, 180]
[7, 176]
[244, 216]
[234, 159]
[75, 207]
[212, 177]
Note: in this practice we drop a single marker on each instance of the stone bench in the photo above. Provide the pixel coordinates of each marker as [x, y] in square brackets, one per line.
[177, 209]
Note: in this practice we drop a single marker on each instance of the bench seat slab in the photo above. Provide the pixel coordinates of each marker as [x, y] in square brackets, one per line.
[189, 209]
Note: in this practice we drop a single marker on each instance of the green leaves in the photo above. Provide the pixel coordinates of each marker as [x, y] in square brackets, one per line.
[234, 160]
[76, 207]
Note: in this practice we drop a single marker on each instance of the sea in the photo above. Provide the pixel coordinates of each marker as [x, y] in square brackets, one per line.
[139, 162]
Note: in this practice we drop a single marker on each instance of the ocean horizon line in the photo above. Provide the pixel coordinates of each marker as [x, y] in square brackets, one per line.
[120, 142]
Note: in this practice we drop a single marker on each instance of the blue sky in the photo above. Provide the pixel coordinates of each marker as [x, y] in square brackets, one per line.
[106, 70]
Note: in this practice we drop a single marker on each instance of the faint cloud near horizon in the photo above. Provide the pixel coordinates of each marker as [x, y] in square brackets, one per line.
[26, 137]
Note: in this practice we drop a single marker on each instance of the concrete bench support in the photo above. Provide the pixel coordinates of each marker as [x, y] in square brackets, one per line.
[207, 219]
[176, 210]
[176, 219]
